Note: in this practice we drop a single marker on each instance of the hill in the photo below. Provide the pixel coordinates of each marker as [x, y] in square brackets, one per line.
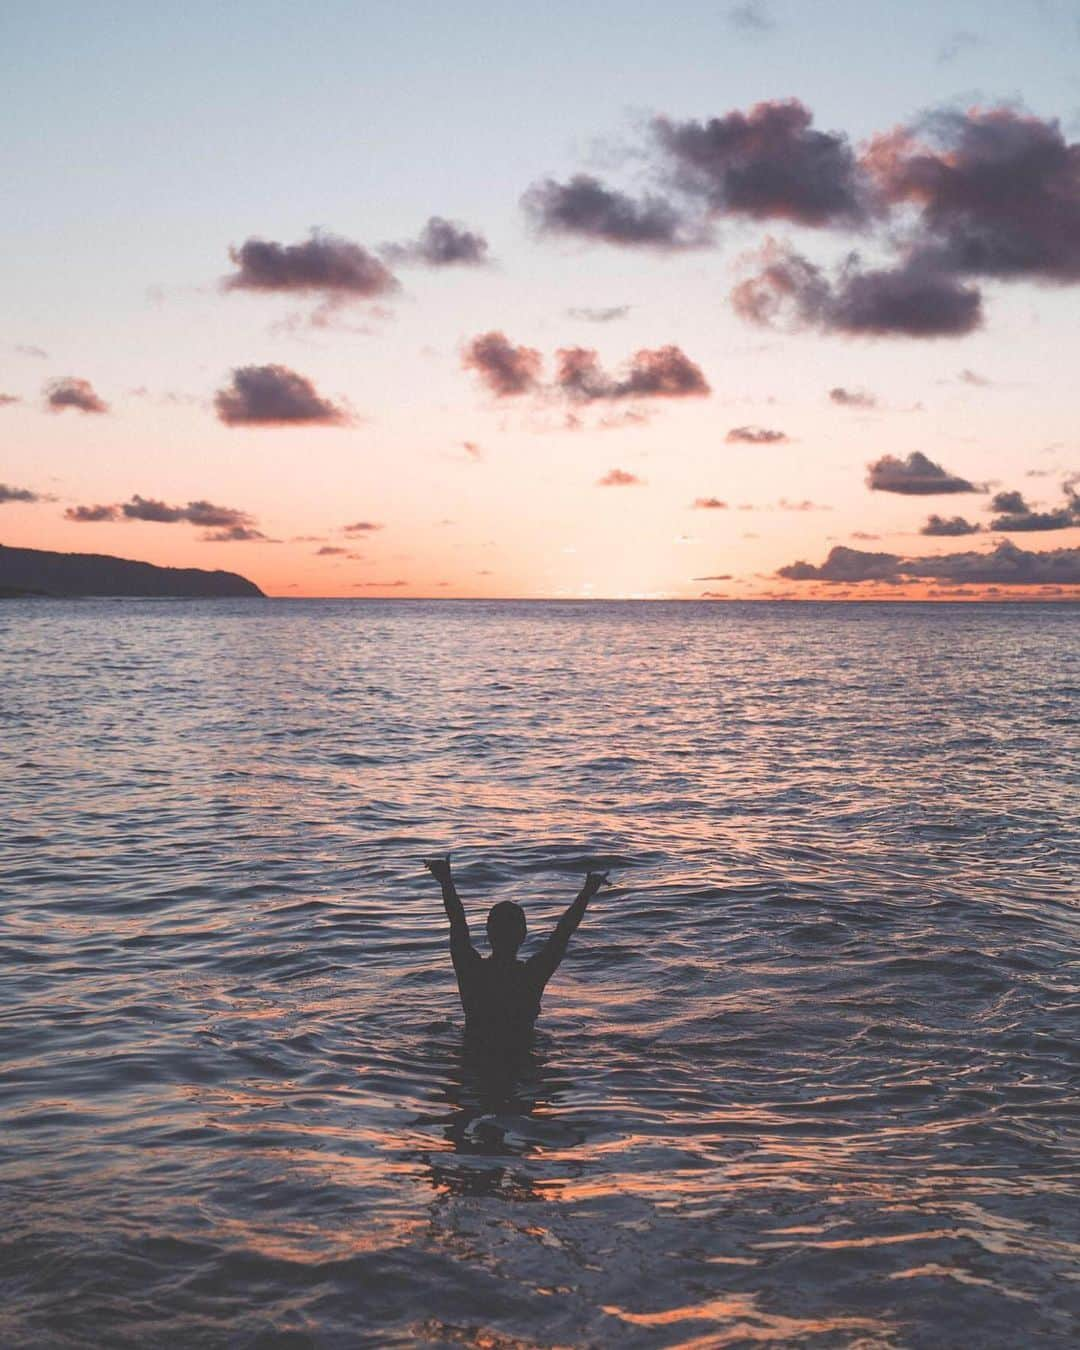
[35, 571]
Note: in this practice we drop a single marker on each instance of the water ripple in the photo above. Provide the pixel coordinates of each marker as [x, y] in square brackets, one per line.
[808, 1076]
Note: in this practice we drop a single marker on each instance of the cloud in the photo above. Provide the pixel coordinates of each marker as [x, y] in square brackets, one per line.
[1015, 514]
[330, 551]
[997, 191]
[325, 264]
[862, 534]
[231, 523]
[206, 513]
[847, 565]
[973, 378]
[474, 451]
[1018, 515]
[1007, 564]
[768, 163]
[852, 398]
[6, 400]
[1012, 502]
[606, 314]
[361, 527]
[755, 436]
[956, 44]
[235, 534]
[708, 504]
[956, 525]
[915, 476]
[69, 392]
[391, 585]
[914, 299]
[441, 243]
[663, 372]
[619, 478]
[508, 371]
[275, 396]
[753, 17]
[28, 349]
[92, 515]
[1060, 519]
[146, 508]
[587, 209]
[14, 494]
[720, 576]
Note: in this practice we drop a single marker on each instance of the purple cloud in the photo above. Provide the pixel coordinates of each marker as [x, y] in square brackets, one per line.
[274, 396]
[998, 191]
[235, 534]
[147, 508]
[230, 523]
[852, 398]
[1061, 519]
[1007, 564]
[14, 494]
[441, 243]
[92, 515]
[755, 436]
[587, 209]
[768, 163]
[206, 513]
[913, 299]
[663, 372]
[505, 369]
[1015, 514]
[69, 392]
[325, 264]
[915, 476]
[846, 565]
[956, 525]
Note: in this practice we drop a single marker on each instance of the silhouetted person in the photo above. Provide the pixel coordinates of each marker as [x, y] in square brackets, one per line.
[500, 994]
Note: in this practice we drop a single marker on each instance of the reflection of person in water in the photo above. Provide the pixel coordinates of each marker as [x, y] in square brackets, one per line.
[500, 994]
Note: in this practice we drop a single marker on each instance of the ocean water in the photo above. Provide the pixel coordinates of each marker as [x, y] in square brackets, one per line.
[807, 1076]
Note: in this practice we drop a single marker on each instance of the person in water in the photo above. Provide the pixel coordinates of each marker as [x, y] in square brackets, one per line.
[500, 994]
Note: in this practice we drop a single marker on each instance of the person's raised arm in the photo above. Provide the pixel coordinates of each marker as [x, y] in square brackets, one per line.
[455, 911]
[547, 959]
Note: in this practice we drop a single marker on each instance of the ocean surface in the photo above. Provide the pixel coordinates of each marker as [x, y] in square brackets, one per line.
[807, 1076]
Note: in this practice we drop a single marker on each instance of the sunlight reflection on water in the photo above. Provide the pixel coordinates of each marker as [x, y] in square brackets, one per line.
[805, 1077]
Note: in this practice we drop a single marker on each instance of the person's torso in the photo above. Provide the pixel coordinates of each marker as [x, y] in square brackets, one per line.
[500, 995]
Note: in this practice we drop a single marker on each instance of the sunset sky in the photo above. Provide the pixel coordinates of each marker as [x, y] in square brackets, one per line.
[590, 299]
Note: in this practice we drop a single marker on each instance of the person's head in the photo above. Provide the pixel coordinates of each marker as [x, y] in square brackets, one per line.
[506, 928]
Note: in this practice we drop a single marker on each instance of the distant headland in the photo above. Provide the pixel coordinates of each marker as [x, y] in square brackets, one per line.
[37, 572]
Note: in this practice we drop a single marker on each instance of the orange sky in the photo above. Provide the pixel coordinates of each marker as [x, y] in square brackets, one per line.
[140, 275]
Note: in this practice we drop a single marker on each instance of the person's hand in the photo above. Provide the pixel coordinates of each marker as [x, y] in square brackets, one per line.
[439, 868]
[593, 882]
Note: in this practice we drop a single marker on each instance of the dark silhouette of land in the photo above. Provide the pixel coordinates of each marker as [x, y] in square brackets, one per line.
[500, 994]
[37, 572]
